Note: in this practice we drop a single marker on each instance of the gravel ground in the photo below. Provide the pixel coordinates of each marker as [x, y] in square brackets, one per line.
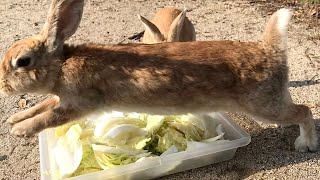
[270, 155]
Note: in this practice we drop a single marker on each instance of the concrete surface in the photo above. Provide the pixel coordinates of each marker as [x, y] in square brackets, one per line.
[269, 156]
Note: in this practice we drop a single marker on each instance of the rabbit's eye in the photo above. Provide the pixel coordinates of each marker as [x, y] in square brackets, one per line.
[23, 62]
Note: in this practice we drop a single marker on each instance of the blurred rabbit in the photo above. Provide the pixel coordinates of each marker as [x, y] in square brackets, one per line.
[168, 25]
[163, 78]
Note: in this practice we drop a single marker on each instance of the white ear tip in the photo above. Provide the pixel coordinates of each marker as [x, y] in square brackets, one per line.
[139, 17]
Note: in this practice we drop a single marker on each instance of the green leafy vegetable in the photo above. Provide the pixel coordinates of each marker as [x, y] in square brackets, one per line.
[88, 163]
[68, 151]
[174, 130]
[107, 140]
[109, 157]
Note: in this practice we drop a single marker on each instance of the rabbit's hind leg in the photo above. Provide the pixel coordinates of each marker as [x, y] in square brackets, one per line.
[294, 114]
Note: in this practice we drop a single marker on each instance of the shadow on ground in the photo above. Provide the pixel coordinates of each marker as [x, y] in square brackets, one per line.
[304, 83]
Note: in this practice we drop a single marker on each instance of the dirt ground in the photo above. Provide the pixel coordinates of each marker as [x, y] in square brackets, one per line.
[270, 155]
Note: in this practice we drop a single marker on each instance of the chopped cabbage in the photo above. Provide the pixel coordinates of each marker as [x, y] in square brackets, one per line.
[68, 151]
[122, 133]
[87, 164]
[62, 130]
[194, 145]
[109, 157]
[106, 140]
[175, 130]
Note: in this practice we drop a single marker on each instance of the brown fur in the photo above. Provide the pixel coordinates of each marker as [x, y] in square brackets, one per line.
[167, 78]
[165, 22]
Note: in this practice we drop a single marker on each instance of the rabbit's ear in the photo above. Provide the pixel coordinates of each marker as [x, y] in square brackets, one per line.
[62, 22]
[152, 28]
[176, 27]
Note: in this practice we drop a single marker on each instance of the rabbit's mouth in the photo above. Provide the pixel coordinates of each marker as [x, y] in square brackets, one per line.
[6, 90]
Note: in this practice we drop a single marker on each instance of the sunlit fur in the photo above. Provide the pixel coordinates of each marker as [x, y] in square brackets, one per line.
[36, 79]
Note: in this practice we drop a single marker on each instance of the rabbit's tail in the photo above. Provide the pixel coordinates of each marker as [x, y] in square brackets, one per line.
[275, 34]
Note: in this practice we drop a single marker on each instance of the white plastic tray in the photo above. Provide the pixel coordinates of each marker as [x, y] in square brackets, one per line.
[156, 167]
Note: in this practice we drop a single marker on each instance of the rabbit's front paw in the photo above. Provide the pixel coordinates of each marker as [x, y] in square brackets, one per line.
[34, 111]
[26, 128]
[18, 117]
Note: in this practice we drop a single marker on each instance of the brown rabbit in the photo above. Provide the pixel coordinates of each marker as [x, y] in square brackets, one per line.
[164, 78]
[168, 25]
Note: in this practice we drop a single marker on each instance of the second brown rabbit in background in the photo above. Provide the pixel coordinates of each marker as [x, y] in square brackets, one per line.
[168, 25]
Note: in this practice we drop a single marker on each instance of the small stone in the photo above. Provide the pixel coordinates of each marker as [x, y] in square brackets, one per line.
[3, 157]
[22, 103]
